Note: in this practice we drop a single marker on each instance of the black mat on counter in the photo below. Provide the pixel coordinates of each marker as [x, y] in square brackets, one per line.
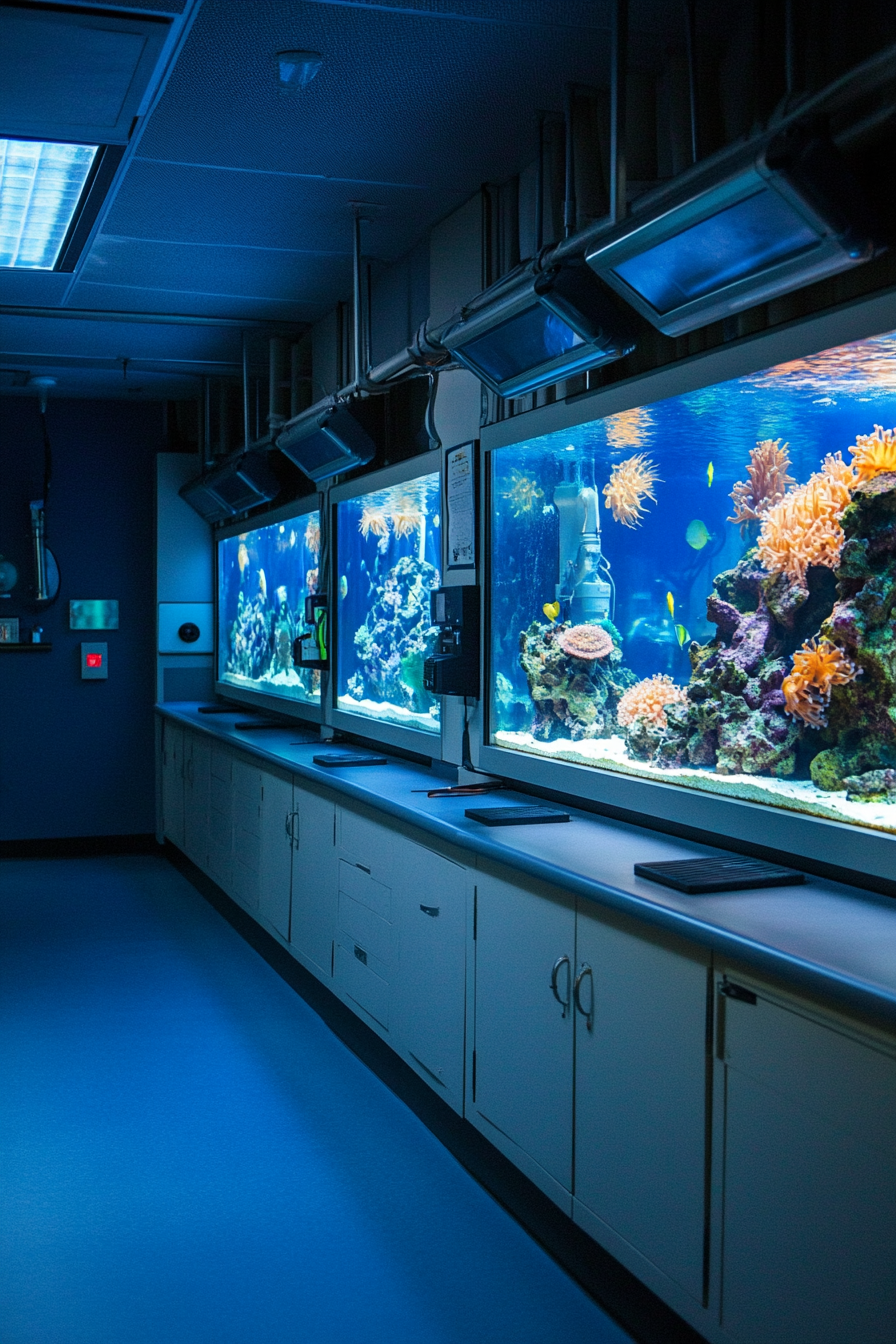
[514, 816]
[697, 877]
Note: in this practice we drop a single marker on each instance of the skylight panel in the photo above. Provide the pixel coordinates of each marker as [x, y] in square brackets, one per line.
[41, 184]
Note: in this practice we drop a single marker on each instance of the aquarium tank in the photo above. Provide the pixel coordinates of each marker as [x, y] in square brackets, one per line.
[701, 591]
[388, 560]
[265, 572]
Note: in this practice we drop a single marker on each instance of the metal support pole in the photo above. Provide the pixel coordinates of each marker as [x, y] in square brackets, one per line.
[246, 428]
[618, 76]
[690, 23]
[539, 188]
[569, 195]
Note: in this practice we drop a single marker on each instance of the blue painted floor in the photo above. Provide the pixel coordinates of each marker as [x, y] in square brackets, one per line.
[189, 1154]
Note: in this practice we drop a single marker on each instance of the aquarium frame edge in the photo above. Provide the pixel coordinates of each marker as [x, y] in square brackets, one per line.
[407, 738]
[838, 845]
[307, 711]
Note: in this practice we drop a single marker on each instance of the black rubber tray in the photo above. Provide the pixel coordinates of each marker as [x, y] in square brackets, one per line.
[697, 877]
[336, 759]
[514, 816]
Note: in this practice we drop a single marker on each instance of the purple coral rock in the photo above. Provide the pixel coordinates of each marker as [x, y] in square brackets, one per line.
[722, 614]
[749, 639]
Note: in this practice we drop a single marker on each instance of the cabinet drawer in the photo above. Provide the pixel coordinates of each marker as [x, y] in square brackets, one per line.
[219, 795]
[359, 982]
[361, 887]
[362, 926]
[367, 843]
[220, 764]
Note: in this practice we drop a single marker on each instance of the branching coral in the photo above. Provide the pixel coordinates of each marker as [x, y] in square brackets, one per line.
[630, 483]
[586, 642]
[803, 528]
[874, 453]
[807, 689]
[648, 699]
[375, 521]
[312, 534]
[522, 492]
[767, 484]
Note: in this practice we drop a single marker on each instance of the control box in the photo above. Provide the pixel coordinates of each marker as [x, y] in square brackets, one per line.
[454, 667]
[94, 662]
[310, 649]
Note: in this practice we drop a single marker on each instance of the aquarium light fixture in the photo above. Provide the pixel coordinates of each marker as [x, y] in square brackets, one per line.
[326, 440]
[238, 483]
[548, 325]
[41, 189]
[737, 233]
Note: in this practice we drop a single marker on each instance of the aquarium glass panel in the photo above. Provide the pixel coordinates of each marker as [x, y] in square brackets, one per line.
[264, 576]
[737, 242]
[389, 556]
[702, 591]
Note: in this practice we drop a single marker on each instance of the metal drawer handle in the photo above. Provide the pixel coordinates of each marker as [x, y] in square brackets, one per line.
[555, 971]
[430, 910]
[588, 1013]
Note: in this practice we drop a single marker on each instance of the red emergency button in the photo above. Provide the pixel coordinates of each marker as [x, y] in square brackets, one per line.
[94, 660]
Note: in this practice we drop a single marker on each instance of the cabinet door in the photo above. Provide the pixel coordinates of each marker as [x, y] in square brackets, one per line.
[196, 799]
[220, 816]
[641, 1092]
[314, 880]
[430, 911]
[173, 783]
[523, 1052]
[276, 852]
[809, 1230]
[244, 880]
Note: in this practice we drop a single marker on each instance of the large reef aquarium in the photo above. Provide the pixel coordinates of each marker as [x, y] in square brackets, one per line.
[387, 561]
[693, 603]
[265, 571]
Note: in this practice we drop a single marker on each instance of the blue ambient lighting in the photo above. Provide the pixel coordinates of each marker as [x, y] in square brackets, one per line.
[40, 188]
[736, 243]
[524, 341]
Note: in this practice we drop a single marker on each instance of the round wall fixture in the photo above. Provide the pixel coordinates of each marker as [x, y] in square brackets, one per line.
[9, 575]
[189, 632]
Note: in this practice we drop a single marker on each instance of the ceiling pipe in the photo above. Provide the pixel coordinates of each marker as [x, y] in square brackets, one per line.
[246, 418]
[569, 195]
[690, 27]
[618, 78]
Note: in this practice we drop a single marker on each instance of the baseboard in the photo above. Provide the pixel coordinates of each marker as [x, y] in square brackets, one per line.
[78, 846]
[623, 1296]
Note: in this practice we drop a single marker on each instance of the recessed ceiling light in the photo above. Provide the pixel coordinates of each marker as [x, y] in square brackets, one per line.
[297, 69]
[41, 184]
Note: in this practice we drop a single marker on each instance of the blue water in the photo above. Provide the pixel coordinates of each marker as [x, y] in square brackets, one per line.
[388, 547]
[815, 406]
[264, 576]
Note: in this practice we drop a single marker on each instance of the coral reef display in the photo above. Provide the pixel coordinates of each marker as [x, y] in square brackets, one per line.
[804, 529]
[874, 454]
[585, 642]
[817, 667]
[649, 699]
[767, 482]
[630, 483]
[573, 696]
[396, 637]
[522, 493]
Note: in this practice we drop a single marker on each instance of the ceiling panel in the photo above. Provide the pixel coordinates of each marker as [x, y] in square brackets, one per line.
[152, 300]
[32, 289]
[95, 339]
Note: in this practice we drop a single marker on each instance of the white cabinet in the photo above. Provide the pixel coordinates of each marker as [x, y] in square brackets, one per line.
[220, 816]
[642, 1072]
[314, 880]
[197, 756]
[173, 782]
[246, 817]
[276, 850]
[809, 1170]
[522, 1075]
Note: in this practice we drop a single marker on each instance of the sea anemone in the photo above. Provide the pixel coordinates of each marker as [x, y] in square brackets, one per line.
[312, 535]
[522, 492]
[874, 453]
[375, 521]
[807, 689]
[630, 482]
[586, 642]
[648, 699]
[803, 528]
[407, 523]
[767, 484]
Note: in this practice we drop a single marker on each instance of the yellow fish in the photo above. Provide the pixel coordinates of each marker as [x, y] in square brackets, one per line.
[242, 558]
[710, 472]
[670, 603]
[343, 587]
[551, 610]
[262, 585]
[697, 534]
[681, 635]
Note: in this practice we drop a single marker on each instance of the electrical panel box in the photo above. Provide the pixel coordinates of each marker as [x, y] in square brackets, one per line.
[454, 667]
[94, 662]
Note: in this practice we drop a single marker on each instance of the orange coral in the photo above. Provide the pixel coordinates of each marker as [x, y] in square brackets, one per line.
[648, 699]
[630, 482]
[373, 520]
[312, 534]
[587, 642]
[803, 528]
[767, 484]
[816, 668]
[874, 453]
